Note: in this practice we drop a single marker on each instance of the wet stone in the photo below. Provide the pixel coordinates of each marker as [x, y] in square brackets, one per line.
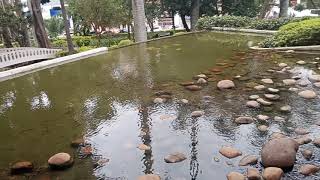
[86, 150]
[308, 94]
[248, 160]
[316, 142]
[235, 176]
[201, 76]
[307, 154]
[273, 90]
[264, 102]
[301, 62]
[197, 113]
[254, 97]
[144, 147]
[253, 174]
[301, 131]
[225, 84]
[263, 117]
[272, 173]
[184, 101]
[175, 157]
[277, 135]
[201, 81]
[253, 104]
[303, 140]
[263, 128]
[149, 177]
[193, 88]
[267, 81]
[272, 97]
[279, 119]
[216, 159]
[244, 120]
[293, 89]
[60, 161]
[282, 65]
[303, 83]
[308, 169]
[189, 83]
[21, 167]
[314, 78]
[260, 87]
[158, 101]
[285, 108]
[230, 152]
[289, 82]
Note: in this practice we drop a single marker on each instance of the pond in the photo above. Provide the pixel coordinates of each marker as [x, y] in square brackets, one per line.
[108, 100]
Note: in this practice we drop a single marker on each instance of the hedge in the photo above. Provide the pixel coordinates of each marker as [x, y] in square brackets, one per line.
[302, 33]
[206, 23]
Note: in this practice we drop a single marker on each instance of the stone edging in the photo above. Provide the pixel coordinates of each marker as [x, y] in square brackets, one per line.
[20, 71]
[295, 48]
[255, 31]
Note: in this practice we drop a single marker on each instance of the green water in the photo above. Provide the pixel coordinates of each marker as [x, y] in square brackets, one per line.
[108, 100]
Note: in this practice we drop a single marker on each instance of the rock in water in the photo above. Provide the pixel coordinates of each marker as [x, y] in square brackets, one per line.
[248, 160]
[184, 101]
[282, 65]
[309, 169]
[301, 131]
[253, 174]
[263, 117]
[225, 84]
[279, 152]
[314, 78]
[289, 82]
[307, 154]
[197, 113]
[272, 90]
[244, 120]
[263, 128]
[189, 83]
[175, 157]
[21, 167]
[259, 87]
[193, 88]
[264, 102]
[285, 108]
[316, 142]
[303, 140]
[60, 161]
[267, 81]
[272, 97]
[235, 176]
[158, 100]
[272, 173]
[149, 177]
[76, 143]
[308, 94]
[230, 152]
[202, 81]
[301, 62]
[144, 147]
[254, 97]
[253, 104]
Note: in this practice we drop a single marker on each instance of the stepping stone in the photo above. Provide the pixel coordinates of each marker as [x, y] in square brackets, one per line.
[277, 135]
[308, 94]
[225, 84]
[201, 76]
[260, 87]
[289, 82]
[244, 120]
[189, 83]
[316, 142]
[248, 160]
[175, 157]
[293, 89]
[272, 97]
[301, 62]
[282, 65]
[230, 152]
[286, 108]
[267, 81]
[21, 167]
[263, 117]
[272, 90]
[254, 97]
[264, 102]
[202, 81]
[253, 104]
[60, 161]
[303, 83]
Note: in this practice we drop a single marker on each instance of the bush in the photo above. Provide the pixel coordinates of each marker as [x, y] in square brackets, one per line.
[125, 43]
[300, 33]
[59, 43]
[82, 40]
[85, 48]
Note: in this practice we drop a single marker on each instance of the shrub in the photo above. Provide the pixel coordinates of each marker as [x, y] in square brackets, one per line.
[125, 43]
[59, 43]
[301, 33]
[82, 40]
[85, 48]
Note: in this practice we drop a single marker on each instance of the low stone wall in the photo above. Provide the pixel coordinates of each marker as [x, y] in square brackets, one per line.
[295, 48]
[266, 32]
[17, 72]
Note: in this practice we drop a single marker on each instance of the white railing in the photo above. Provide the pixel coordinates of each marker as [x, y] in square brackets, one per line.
[12, 56]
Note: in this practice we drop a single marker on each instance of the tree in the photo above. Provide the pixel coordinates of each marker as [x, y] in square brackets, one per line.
[38, 23]
[153, 11]
[195, 12]
[284, 5]
[55, 26]
[139, 18]
[67, 28]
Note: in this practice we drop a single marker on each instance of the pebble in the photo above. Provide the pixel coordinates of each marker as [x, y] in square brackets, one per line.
[202, 81]
[197, 113]
[293, 89]
[301, 131]
[301, 62]
[307, 154]
[60, 161]
[244, 120]
[175, 157]
[267, 81]
[273, 97]
[225, 84]
[283, 65]
[289, 82]
[149, 177]
[248, 160]
[316, 142]
[193, 88]
[253, 104]
[279, 119]
[230, 152]
[264, 102]
[308, 94]
[263, 117]
[273, 90]
[253, 174]
[158, 101]
[259, 87]
[308, 169]
[235, 176]
[254, 97]
[144, 147]
[184, 101]
[21, 167]
[272, 173]
[263, 128]
[285, 108]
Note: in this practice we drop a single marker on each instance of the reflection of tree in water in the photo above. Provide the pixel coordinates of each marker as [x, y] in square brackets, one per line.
[194, 164]
[145, 128]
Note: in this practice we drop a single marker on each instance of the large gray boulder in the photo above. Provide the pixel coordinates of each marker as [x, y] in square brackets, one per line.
[279, 152]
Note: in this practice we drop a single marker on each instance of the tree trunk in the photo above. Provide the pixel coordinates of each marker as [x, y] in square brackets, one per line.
[40, 31]
[195, 13]
[284, 5]
[6, 37]
[25, 39]
[173, 22]
[129, 29]
[184, 22]
[139, 19]
[67, 28]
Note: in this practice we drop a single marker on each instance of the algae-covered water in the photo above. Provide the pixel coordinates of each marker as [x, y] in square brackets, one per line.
[108, 100]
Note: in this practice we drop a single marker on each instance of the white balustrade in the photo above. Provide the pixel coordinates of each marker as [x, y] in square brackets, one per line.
[12, 56]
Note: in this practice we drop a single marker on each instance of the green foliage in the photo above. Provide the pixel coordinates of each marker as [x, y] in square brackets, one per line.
[300, 33]
[299, 7]
[55, 26]
[125, 42]
[85, 48]
[59, 43]
[62, 53]
[82, 40]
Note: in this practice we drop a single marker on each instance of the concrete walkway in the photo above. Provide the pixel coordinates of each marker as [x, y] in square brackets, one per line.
[17, 72]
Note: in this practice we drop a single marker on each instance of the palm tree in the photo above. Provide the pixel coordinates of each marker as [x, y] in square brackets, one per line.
[67, 28]
[139, 19]
[284, 5]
